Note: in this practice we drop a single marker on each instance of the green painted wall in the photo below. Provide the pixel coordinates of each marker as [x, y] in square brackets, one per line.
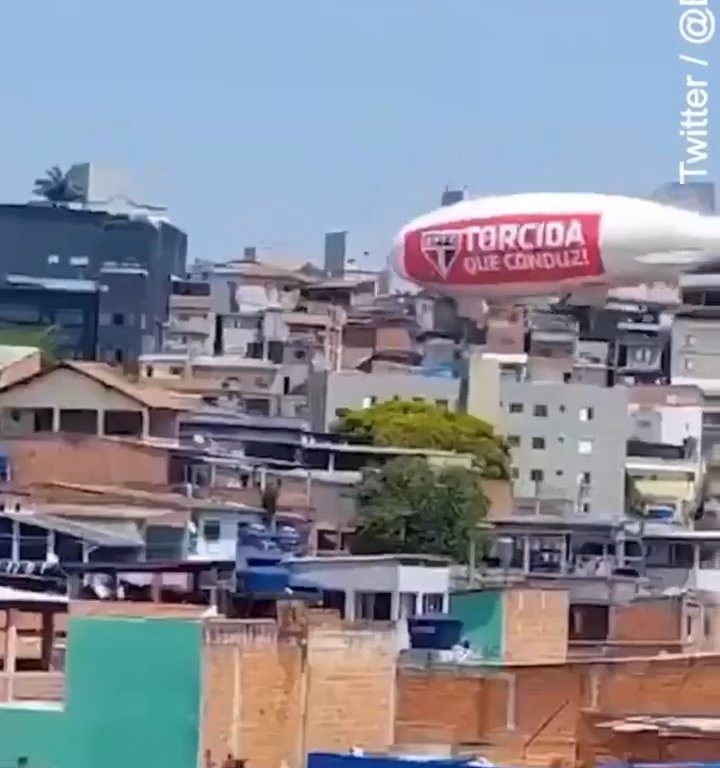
[481, 613]
[134, 693]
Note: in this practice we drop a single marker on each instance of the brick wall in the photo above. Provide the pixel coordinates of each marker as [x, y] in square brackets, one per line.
[462, 706]
[536, 625]
[270, 697]
[647, 620]
[85, 460]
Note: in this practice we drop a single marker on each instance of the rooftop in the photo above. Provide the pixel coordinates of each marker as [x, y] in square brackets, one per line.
[148, 396]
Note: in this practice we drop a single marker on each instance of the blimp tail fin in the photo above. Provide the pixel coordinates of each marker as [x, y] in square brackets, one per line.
[673, 258]
[697, 196]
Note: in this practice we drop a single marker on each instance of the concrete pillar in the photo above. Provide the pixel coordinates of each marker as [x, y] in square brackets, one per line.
[563, 554]
[10, 651]
[350, 604]
[100, 422]
[156, 588]
[15, 545]
[394, 605]
[56, 420]
[145, 422]
[48, 637]
[526, 554]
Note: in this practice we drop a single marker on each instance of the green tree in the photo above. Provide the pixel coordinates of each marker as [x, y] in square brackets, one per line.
[414, 424]
[412, 507]
[42, 337]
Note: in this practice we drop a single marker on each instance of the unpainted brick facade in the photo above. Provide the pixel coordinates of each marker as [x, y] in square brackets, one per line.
[272, 696]
[534, 714]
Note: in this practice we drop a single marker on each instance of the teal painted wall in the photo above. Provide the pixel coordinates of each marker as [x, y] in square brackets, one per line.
[481, 613]
[36, 734]
[133, 698]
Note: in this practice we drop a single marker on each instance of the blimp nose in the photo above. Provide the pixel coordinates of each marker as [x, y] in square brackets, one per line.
[396, 259]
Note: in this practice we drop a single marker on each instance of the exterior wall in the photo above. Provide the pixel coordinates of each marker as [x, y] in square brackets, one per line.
[695, 356]
[532, 713]
[669, 424]
[350, 389]
[483, 397]
[66, 389]
[353, 575]
[561, 461]
[32, 234]
[536, 626]
[270, 699]
[84, 460]
[481, 613]
[133, 699]
[647, 620]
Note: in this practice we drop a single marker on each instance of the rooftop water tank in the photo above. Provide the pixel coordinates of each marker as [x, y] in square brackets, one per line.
[436, 631]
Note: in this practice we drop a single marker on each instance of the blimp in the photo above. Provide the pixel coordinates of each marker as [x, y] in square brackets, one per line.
[514, 247]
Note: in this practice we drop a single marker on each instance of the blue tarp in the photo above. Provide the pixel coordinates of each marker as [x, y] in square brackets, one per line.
[331, 760]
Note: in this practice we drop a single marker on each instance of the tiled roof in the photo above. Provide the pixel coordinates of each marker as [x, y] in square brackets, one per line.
[151, 397]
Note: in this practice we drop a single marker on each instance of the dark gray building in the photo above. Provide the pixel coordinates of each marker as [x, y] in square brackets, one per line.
[132, 257]
[29, 306]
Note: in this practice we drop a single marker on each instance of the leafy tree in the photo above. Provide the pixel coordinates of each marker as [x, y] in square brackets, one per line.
[414, 424]
[409, 506]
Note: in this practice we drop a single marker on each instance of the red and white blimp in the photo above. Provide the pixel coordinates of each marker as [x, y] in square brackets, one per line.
[514, 246]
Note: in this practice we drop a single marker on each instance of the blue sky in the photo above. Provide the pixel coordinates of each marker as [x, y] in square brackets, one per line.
[269, 122]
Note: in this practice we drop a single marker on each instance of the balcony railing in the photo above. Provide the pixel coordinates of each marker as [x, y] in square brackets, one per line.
[32, 686]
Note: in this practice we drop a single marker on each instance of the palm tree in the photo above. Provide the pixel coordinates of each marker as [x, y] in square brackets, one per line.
[57, 188]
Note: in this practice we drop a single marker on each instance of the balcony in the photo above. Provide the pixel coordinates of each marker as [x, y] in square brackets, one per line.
[196, 303]
[18, 687]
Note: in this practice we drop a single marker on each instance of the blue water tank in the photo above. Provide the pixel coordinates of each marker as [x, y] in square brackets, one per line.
[266, 580]
[437, 631]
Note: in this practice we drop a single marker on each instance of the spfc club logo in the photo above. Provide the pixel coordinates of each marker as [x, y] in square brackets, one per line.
[441, 249]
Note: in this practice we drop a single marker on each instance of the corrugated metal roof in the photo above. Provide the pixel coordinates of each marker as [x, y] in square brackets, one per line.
[112, 533]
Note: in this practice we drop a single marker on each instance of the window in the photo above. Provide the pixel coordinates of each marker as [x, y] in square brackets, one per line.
[442, 404]
[118, 318]
[561, 409]
[516, 408]
[538, 443]
[559, 472]
[537, 475]
[211, 530]
[586, 507]
[586, 478]
[587, 414]
[514, 473]
[286, 385]
[432, 602]
[688, 364]
[175, 370]
[368, 402]
[585, 447]
[79, 261]
[513, 440]
[340, 412]
[540, 410]
[183, 318]
[149, 371]
[53, 258]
